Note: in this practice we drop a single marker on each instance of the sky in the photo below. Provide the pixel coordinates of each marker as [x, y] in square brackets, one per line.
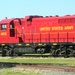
[22, 8]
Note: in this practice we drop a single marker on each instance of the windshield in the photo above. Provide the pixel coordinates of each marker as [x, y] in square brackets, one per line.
[3, 26]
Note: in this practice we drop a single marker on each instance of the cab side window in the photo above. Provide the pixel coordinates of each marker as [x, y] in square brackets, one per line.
[3, 27]
[11, 26]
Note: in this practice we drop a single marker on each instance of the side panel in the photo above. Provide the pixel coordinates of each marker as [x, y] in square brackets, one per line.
[49, 30]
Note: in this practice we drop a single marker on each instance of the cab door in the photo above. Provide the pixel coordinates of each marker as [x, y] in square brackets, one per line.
[12, 30]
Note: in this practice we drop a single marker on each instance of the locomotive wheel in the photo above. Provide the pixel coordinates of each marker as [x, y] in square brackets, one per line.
[57, 52]
[7, 50]
[69, 52]
[3, 53]
[10, 50]
[11, 53]
[52, 52]
[74, 53]
[62, 53]
[40, 50]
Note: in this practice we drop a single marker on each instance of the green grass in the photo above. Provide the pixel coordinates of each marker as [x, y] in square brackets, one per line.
[13, 71]
[56, 61]
[9, 72]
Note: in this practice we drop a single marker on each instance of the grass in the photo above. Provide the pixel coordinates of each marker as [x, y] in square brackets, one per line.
[52, 61]
[9, 72]
[13, 71]
[19, 71]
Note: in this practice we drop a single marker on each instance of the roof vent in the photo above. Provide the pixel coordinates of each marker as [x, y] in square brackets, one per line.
[67, 15]
[56, 15]
[47, 16]
[6, 18]
[51, 16]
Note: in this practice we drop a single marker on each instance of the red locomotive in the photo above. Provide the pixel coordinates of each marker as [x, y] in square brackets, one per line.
[38, 34]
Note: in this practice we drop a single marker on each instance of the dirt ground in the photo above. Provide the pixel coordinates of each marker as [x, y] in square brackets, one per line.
[48, 67]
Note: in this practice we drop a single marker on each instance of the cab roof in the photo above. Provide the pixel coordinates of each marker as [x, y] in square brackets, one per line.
[6, 21]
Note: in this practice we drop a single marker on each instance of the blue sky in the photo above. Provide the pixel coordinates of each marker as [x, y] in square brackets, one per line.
[21, 8]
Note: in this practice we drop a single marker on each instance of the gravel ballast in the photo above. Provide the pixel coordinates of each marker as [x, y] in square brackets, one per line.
[42, 72]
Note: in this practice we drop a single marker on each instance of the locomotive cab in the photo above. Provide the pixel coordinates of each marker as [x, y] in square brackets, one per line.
[10, 31]
[7, 28]
[7, 31]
